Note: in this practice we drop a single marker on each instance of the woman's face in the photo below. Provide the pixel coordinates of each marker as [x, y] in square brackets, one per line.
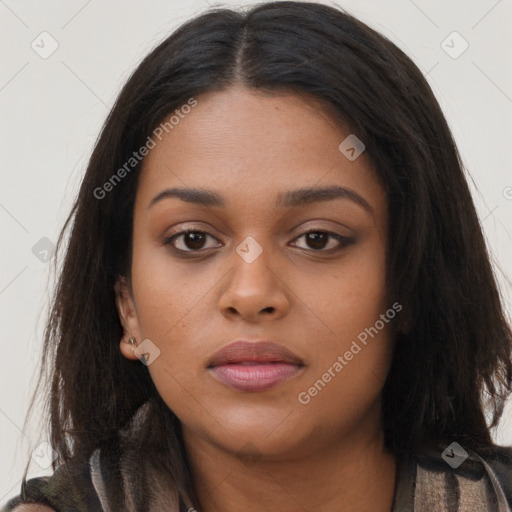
[249, 271]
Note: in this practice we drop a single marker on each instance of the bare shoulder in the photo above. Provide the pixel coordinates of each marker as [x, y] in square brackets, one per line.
[32, 507]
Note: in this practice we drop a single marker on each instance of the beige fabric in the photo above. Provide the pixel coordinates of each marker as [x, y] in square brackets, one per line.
[430, 488]
[468, 495]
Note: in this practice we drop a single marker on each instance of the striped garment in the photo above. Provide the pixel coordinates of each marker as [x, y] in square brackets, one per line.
[424, 484]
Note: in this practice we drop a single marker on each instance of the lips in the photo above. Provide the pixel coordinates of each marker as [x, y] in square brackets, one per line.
[254, 366]
[253, 352]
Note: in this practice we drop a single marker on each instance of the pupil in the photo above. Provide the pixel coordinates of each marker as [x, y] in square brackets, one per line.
[314, 238]
[194, 240]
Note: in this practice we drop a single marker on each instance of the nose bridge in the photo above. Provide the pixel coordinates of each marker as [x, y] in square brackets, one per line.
[251, 260]
[253, 285]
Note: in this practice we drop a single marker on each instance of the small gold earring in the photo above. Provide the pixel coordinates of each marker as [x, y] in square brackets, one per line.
[131, 341]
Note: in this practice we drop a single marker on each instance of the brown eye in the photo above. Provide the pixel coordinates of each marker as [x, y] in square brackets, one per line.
[189, 241]
[319, 240]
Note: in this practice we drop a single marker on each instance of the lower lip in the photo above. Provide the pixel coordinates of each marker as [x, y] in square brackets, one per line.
[254, 377]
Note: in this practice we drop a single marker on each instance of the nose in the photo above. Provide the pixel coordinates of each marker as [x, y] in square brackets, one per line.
[254, 291]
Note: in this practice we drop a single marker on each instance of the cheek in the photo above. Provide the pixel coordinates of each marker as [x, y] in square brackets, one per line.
[351, 322]
[353, 296]
[166, 291]
[353, 352]
[170, 301]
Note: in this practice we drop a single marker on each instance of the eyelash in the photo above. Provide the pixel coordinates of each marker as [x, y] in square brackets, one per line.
[343, 241]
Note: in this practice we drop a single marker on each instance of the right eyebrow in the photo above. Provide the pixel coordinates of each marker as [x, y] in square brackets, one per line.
[190, 195]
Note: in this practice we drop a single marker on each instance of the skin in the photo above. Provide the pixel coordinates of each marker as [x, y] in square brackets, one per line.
[247, 146]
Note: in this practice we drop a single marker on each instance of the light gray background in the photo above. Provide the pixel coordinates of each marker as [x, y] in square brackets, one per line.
[52, 110]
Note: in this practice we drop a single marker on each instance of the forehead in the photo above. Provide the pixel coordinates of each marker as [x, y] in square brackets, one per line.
[251, 146]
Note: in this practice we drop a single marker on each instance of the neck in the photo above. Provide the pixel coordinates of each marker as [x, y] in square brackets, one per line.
[347, 475]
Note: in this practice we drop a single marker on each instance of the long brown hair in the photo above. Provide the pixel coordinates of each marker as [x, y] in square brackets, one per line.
[452, 360]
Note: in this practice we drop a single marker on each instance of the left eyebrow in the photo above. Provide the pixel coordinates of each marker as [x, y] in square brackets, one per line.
[290, 198]
[303, 196]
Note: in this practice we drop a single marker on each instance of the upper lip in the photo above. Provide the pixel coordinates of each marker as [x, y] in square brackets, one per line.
[253, 351]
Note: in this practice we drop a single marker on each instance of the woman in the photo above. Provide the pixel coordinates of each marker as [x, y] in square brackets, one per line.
[276, 293]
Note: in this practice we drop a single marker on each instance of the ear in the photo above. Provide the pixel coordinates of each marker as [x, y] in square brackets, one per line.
[127, 316]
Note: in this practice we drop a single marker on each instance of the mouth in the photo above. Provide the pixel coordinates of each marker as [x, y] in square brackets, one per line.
[254, 366]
